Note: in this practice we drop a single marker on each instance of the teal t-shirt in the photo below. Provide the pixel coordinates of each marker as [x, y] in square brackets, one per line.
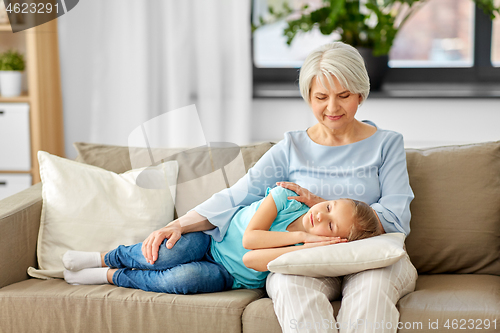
[229, 252]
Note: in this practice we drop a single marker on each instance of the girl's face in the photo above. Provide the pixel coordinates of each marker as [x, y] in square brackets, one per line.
[333, 106]
[330, 218]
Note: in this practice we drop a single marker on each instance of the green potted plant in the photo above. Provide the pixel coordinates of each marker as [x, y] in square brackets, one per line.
[12, 65]
[369, 25]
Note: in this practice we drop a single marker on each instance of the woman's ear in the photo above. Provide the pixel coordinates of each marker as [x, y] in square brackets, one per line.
[360, 99]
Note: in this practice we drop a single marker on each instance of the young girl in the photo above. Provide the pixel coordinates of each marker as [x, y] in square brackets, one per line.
[270, 227]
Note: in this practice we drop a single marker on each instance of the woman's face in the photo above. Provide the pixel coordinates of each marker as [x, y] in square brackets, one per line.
[330, 218]
[333, 106]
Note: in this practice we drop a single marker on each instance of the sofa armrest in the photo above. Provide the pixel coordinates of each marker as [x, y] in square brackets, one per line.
[19, 224]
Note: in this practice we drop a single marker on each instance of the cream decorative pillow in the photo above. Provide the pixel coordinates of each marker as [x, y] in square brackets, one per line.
[343, 258]
[87, 208]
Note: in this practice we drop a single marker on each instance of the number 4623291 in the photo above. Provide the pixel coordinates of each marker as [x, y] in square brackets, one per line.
[32, 8]
[477, 324]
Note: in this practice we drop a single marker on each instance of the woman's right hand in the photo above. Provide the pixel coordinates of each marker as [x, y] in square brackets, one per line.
[152, 243]
[190, 222]
[304, 195]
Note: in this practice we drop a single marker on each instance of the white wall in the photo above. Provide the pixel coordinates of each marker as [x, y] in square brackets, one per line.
[75, 68]
[423, 122]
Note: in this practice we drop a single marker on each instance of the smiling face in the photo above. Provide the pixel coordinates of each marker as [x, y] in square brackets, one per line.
[333, 105]
[333, 218]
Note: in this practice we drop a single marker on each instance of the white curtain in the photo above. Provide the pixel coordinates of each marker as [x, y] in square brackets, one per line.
[124, 62]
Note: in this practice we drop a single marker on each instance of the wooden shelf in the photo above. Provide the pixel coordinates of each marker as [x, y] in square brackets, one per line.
[24, 98]
[43, 90]
[7, 27]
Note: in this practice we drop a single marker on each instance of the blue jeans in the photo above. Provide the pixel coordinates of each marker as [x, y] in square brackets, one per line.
[187, 268]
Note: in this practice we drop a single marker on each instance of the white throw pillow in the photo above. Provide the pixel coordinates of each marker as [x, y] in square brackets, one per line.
[86, 208]
[343, 258]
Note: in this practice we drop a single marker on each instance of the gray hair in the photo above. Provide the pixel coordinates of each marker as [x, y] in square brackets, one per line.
[340, 60]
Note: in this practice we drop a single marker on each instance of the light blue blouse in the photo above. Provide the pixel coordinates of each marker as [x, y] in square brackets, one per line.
[230, 251]
[372, 170]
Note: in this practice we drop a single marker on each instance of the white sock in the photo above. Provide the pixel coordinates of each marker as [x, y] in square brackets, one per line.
[87, 276]
[77, 260]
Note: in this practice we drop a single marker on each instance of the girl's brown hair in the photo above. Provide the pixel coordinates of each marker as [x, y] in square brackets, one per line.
[366, 223]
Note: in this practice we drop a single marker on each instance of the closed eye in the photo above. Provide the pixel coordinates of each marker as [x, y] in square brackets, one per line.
[330, 225]
[344, 94]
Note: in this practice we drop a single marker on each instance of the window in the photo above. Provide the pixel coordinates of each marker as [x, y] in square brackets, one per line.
[270, 48]
[495, 50]
[439, 35]
[445, 41]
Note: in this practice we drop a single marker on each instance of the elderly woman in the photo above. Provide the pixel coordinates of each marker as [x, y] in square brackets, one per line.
[338, 157]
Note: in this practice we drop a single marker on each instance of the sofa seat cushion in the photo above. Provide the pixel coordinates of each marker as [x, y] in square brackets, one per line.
[436, 298]
[55, 306]
[259, 317]
[455, 298]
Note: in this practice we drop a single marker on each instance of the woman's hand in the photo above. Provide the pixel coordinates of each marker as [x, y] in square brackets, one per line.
[304, 195]
[152, 243]
[190, 222]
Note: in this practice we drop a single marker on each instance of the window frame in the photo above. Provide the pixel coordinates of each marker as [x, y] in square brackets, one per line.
[482, 70]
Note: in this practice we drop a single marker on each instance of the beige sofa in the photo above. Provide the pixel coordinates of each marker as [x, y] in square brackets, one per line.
[454, 244]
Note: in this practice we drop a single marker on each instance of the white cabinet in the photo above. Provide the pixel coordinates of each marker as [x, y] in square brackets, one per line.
[15, 137]
[15, 150]
[13, 183]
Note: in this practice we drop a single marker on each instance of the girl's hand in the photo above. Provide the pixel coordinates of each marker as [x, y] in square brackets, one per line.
[323, 243]
[310, 238]
[304, 195]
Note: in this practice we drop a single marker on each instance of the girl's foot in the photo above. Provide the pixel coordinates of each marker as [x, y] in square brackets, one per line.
[77, 260]
[87, 276]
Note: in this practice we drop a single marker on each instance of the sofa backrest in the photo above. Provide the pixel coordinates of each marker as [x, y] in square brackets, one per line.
[199, 168]
[455, 226]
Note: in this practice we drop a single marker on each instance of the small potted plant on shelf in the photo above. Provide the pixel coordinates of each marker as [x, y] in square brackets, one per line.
[11, 67]
[369, 25]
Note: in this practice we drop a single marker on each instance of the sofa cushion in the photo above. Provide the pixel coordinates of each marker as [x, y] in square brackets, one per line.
[200, 173]
[455, 224]
[467, 300]
[259, 317]
[55, 306]
[86, 208]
